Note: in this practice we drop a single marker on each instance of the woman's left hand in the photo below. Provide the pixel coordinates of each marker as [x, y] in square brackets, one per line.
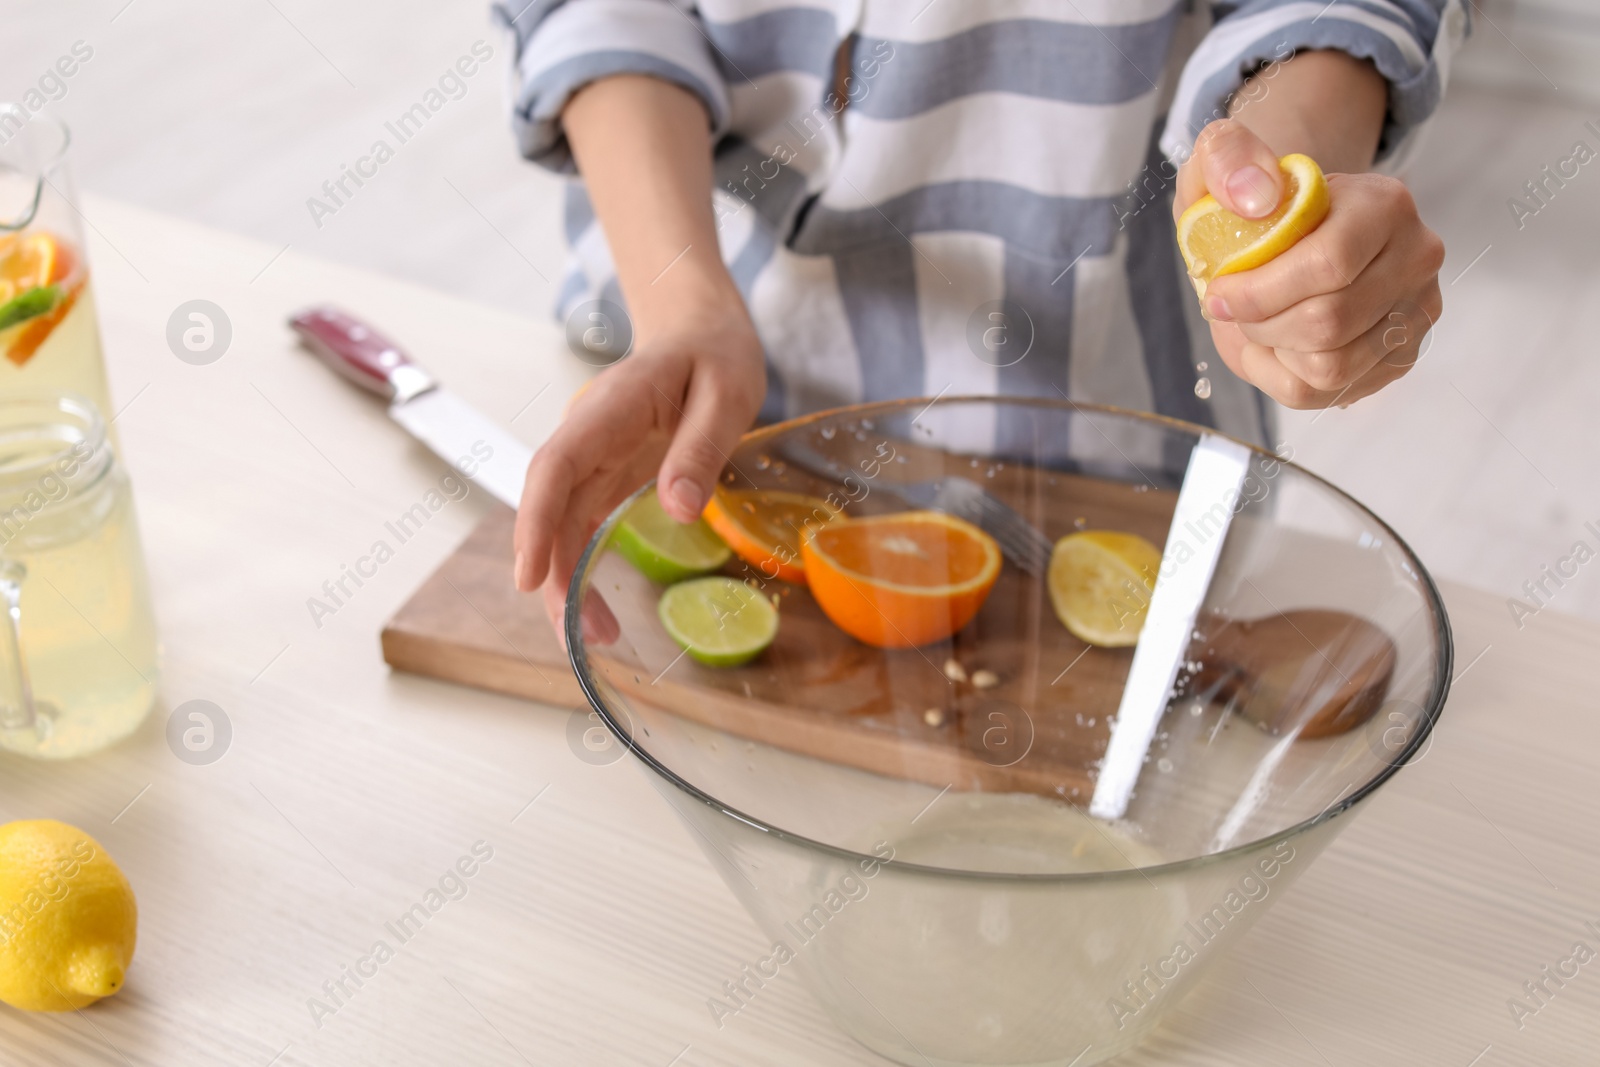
[1343, 312]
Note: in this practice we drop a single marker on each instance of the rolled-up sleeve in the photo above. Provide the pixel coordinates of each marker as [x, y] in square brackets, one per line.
[562, 45]
[1411, 43]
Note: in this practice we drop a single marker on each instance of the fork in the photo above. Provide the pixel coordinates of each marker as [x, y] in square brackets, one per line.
[1019, 540]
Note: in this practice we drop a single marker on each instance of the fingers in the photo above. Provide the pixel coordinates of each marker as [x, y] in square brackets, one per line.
[599, 625]
[1366, 214]
[1372, 224]
[1328, 321]
[711, 420]
[607, 423]
[545, 489]
[1305, 380]
[1235, 166]
[588, 504]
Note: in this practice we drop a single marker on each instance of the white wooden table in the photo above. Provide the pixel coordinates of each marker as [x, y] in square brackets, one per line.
[596, 932]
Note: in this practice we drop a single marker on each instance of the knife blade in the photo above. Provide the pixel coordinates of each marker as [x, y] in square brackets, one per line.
[452, 429]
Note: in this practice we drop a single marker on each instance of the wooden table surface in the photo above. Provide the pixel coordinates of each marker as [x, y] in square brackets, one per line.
[596, 931]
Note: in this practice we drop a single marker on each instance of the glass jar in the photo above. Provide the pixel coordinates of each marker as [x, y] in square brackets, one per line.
[78, 655]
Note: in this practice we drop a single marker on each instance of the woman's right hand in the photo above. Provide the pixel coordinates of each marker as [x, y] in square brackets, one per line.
[675, 408]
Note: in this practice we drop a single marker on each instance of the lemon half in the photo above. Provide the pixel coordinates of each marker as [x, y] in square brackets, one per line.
[1214, 241]
[1100, 585]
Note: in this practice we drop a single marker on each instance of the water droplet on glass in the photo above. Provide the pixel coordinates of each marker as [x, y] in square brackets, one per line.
[763, 461]
[1164, 765]
[827, 432]
[1201, 366]
[1202, 388]
[1080, 523]
[866, 424]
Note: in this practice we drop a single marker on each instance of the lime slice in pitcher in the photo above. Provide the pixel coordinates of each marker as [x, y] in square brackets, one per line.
[722, 622]
[29, 305]
[663, 549]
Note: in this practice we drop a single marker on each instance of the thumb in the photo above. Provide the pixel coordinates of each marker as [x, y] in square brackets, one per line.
[700, 446]
[1238, 168]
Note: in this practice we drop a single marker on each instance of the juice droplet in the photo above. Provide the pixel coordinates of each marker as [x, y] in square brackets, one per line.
[1202, 388]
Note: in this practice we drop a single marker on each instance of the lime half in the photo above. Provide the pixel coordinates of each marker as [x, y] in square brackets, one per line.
[663, 549]
[720, 621]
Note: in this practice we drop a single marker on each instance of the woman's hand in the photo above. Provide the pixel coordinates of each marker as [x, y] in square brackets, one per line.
[678, 404]
[1343, 312]
[673, 409]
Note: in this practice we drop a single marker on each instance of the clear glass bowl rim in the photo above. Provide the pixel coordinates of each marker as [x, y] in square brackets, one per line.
[577, 654]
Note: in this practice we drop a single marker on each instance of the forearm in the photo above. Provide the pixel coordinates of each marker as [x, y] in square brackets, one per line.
[1326, 104]
[644, 150]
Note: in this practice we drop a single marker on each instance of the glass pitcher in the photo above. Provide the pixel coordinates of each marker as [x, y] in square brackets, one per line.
[49, 333]
[78, 644]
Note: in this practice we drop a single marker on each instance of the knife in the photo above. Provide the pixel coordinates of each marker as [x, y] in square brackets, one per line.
[453, 429]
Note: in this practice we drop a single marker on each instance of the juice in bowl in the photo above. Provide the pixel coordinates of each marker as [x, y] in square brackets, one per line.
[49, 333]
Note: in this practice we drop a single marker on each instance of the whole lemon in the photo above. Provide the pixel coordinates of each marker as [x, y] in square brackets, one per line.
[68, 919]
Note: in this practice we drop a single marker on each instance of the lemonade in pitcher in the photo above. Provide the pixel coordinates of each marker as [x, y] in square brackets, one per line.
[49, 333]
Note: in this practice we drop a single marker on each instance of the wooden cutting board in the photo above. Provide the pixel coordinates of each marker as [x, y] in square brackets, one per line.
[1037, 730]
[468, 624]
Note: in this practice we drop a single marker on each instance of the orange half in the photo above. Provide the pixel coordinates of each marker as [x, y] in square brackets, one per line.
[764, 527]
[901, 580]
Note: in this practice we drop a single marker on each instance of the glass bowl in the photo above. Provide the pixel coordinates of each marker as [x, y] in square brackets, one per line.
[910, 827]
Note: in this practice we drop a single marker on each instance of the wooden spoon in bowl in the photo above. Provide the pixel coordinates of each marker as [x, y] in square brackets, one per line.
[1308, 672]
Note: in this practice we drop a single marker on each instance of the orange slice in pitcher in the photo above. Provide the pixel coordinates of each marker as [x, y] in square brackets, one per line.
[39, 283]
[900, 580]
[764, 527]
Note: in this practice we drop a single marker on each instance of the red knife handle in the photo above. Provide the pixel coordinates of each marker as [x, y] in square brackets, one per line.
[360, 353]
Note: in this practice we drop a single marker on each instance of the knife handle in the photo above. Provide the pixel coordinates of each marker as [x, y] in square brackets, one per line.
[360, 353]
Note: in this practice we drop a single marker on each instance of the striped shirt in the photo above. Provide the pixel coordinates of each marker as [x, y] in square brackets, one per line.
[947, 197]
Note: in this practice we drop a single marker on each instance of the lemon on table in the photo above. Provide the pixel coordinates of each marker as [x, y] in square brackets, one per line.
[1214, 241]
[720, 621]
[662, 548]
[1100, 584]
[68, 919]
